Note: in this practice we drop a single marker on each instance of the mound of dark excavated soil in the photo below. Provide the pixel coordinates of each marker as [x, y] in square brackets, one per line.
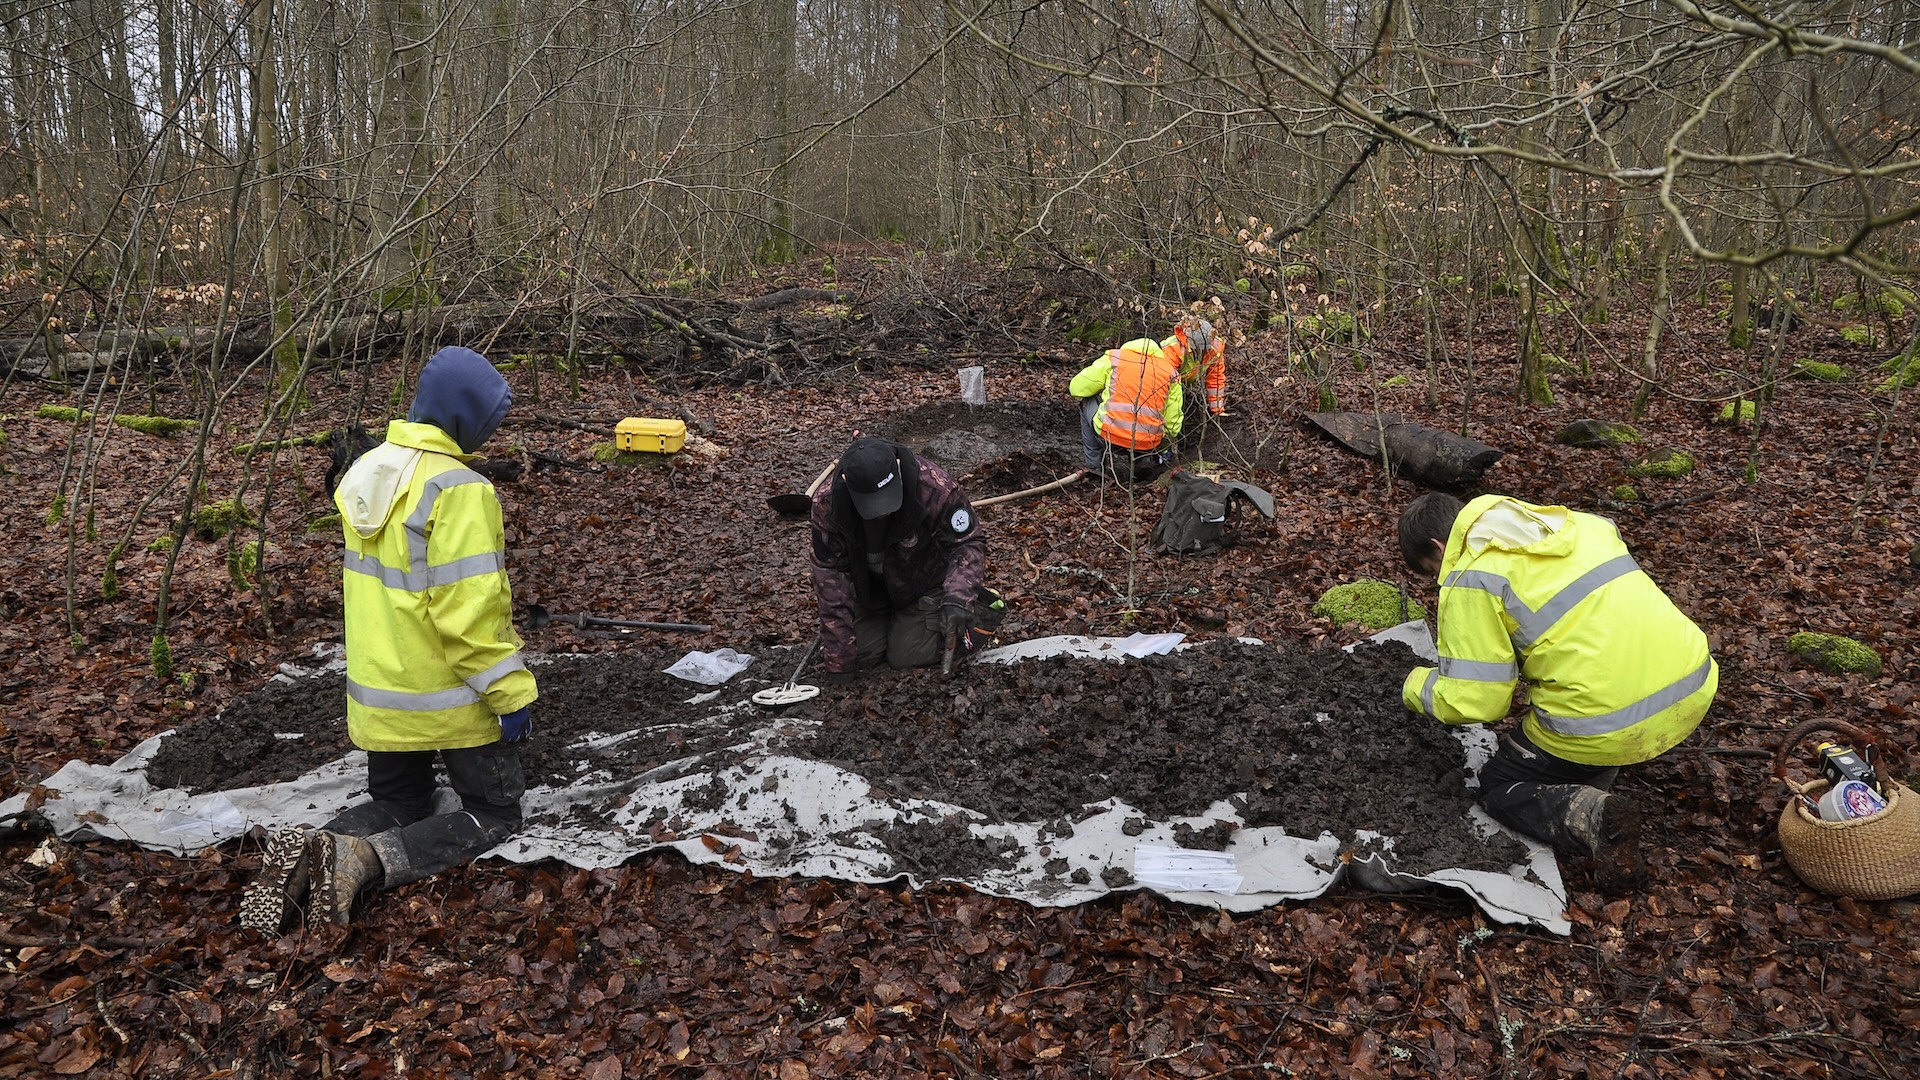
[1309, 740]
[996, 448]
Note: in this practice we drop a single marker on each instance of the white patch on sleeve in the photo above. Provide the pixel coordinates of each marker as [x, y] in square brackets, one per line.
[962, 521]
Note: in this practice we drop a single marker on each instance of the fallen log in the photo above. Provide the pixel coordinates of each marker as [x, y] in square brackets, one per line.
[1428, 456]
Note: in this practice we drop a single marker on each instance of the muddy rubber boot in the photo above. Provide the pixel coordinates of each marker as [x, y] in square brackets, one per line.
[342, 866]
[282, 885]
[1608, 827]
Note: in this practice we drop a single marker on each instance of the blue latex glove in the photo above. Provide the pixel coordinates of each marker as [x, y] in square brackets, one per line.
[516, 725]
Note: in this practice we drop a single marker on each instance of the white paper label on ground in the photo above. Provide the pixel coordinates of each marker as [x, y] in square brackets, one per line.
[1186, 870]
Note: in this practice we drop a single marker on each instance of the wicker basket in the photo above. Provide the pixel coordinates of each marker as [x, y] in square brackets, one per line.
[1876, 857]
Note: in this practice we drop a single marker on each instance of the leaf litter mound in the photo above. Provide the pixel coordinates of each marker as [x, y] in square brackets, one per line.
[1310, 741]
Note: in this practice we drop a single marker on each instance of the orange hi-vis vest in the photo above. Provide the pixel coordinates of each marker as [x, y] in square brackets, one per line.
[1131, 412]
[1208, 368]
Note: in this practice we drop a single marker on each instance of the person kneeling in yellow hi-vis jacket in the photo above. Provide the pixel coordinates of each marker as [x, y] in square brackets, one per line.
[1616, 675]
[433, 662]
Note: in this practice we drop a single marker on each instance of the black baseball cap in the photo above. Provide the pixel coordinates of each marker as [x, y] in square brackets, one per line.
[870, 471]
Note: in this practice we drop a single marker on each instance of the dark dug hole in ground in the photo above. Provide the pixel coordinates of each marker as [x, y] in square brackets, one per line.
[1311, 741]
[996, 448]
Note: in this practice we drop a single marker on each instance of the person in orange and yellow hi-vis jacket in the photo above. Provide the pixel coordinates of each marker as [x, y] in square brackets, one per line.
[1616, 675]
[1131, 407]
[1201, 356]
[433, 663]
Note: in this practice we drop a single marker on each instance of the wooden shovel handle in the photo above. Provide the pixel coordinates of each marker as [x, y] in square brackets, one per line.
[822, 478]
[1041, 490]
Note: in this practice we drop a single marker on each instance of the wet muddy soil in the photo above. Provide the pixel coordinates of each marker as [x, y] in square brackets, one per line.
[1309, 740]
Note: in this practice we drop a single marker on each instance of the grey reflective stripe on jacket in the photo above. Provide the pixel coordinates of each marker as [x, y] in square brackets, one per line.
[427, 576]
[1495, 671]
[422, 580]
[404, 701]
[1619, 719]
[430, 494]
[479, 683]
[1530, 625]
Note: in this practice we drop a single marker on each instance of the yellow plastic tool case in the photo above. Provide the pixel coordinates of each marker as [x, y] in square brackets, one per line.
[650, 435]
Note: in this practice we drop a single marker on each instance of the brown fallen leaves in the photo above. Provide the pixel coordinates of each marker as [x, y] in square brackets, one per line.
[121, 963]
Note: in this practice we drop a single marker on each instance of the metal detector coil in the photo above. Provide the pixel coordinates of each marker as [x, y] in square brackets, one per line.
[790, 694]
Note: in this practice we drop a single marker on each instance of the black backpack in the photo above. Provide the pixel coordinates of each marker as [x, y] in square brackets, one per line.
[1195, 521]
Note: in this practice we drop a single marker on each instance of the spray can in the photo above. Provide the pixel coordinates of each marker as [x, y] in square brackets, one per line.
[1840, 764]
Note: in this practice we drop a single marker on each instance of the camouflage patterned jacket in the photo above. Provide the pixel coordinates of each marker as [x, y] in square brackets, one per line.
[933, 545]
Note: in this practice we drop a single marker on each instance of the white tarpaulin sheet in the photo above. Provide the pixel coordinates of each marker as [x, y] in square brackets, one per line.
[781, 815]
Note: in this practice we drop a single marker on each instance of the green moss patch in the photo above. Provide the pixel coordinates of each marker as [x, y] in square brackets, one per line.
[1835, 654]
[1371, 603]
[243, 565]
[1666, 463]
[323, 523]
[60, 412]
[1740, 412]
[1820, 371]
[1903, 370]
[1397, 380]
[161, 544]
[1596, 433]
[156, 425]
[217, 519]
[1626, 492]
[608, 454]
[1856, 335]
[1333, 325]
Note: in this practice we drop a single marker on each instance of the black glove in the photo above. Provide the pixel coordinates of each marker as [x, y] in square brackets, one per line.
[955, 619]
[837, 678]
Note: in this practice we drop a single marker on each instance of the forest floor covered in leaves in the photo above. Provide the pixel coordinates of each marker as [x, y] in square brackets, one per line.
[120, 962]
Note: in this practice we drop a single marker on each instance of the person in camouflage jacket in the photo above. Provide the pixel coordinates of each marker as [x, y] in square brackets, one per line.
[899, 563]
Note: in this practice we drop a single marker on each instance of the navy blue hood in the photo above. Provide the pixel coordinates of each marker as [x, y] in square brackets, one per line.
[461, 394]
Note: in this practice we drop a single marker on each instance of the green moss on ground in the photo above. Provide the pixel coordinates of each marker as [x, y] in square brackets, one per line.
[608, 454]
[1596, 433]
[1667, 463]
[60, 412]
[1821, 371]
[1626, 492]
[323, 523]
[161, 544]
[1747, 411]
[156, 425]
[1903, 370]
[1856, 335]
[243, 565]
[1835, 654]
[1371, 603]
[217, 519]
[1397, 380]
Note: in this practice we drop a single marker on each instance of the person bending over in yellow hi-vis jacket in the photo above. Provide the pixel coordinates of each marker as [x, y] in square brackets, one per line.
[1616, 675]
[1130, 409]
[433, 662]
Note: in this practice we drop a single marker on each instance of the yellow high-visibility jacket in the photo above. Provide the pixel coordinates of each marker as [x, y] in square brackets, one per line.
[432, 656]
[1616, 675]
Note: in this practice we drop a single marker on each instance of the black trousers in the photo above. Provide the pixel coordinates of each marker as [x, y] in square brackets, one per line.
[412, 840]
[1529, 790]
